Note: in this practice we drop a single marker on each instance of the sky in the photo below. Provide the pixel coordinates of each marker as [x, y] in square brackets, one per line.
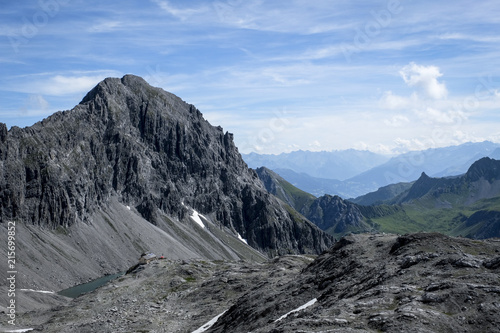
[386, 76]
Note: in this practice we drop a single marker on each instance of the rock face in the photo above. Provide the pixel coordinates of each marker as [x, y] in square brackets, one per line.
[330, 213]
[154, 152]
[364, 283]
[335, 215]
[133, 168]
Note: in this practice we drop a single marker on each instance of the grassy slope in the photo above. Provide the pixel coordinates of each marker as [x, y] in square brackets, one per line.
[299, 197]
[420, 216]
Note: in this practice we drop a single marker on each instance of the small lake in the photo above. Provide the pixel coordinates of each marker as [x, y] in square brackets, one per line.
[83, 288]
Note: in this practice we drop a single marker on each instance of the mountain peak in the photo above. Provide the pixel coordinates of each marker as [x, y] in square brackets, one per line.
[421, 186]
[486, 168]
[112, 85]
[150, 150]
[423, 176]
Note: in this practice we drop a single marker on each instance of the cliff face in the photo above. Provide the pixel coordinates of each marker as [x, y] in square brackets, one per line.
[153, 152]
[335, 215]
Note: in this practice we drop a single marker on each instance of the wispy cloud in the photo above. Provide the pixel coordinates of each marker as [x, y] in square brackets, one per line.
[182, 13]
[105, 26]
[56, 84]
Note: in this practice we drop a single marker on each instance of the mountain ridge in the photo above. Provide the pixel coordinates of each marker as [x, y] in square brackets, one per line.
[132, 151]
[461, 205]
[332, 214]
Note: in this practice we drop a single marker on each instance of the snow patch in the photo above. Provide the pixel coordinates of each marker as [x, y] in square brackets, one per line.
[38, 291]
[20, 330]
[196, 217]
[300, 308]
[209, 324]
[241, 239]
[128, 207]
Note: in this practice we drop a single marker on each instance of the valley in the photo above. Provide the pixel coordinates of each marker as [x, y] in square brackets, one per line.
[465, 205]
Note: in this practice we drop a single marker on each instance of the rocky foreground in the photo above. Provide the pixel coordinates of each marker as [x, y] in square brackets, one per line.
[365, 283]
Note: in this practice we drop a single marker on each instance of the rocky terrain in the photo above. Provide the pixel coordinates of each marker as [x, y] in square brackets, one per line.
[134, 168]
[364, 283]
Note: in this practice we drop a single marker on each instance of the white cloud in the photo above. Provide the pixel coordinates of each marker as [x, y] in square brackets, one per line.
[38, 102]
[315, 144]
[425, 80]
[434, 116]
[397, 121]
[54, 84]
[404, 145]
[34, 105]
[394, 102]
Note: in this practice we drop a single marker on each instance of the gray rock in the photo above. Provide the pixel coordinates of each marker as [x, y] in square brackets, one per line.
[492, 263]
[153, 151]
[355, 286]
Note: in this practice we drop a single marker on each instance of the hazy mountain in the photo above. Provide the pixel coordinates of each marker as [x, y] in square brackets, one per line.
[322, 186]
[313, 185]
[134, 168]
[405, 168]
[337, 165]
[439, 162]
[383, 194]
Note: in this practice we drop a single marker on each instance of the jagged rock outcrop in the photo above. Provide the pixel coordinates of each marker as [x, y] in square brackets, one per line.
[486, 168]
[423, 186]
[154, 152]
[335, 215]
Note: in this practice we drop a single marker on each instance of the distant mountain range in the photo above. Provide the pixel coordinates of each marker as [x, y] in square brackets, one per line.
[379, 172]
[338, 165]
[467, 205]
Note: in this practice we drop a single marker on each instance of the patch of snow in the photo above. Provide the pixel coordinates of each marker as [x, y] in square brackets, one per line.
[38, 291]
[20, 330]
[128, 207]
[196, 217]
[300, 308]
[209, 324]
[241, 239]
[303, 257]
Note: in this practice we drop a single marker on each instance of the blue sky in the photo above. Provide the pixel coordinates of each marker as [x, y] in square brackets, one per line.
[387, 76]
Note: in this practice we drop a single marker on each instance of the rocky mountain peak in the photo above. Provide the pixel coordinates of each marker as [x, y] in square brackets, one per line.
[421, 186]
[486, 168]
[152, 151]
